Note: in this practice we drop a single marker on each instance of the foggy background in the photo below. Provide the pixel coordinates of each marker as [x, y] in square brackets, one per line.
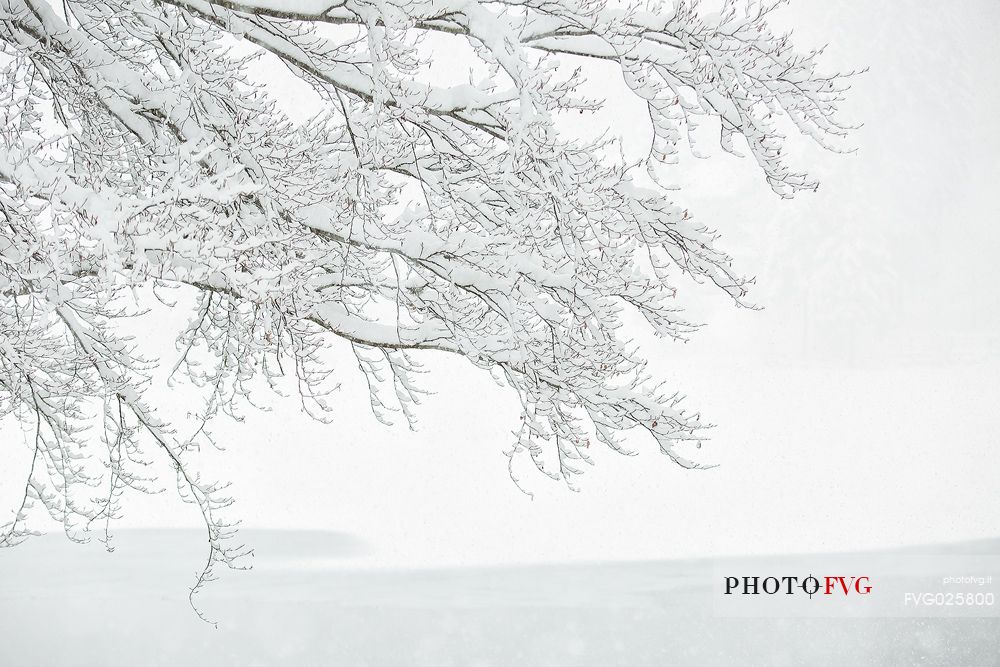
[856, 410]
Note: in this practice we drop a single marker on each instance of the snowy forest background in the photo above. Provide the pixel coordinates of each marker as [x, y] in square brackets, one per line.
[855, 411]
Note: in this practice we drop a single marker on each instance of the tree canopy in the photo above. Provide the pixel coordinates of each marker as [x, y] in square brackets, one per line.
[409, 214]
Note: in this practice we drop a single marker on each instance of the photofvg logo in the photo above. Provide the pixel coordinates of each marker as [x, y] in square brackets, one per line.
[810, 585]
[857, 585]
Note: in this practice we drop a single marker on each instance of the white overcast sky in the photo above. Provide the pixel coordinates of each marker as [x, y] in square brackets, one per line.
[857, 409]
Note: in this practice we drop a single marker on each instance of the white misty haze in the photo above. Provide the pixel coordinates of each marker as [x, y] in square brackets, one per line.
[856, 410]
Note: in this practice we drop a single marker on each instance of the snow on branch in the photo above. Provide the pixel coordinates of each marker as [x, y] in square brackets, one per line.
[406, 215]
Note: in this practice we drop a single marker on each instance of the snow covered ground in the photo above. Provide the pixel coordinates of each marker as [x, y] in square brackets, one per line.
[311, 600]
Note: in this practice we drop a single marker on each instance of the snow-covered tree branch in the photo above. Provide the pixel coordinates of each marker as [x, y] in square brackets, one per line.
[409, 213]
